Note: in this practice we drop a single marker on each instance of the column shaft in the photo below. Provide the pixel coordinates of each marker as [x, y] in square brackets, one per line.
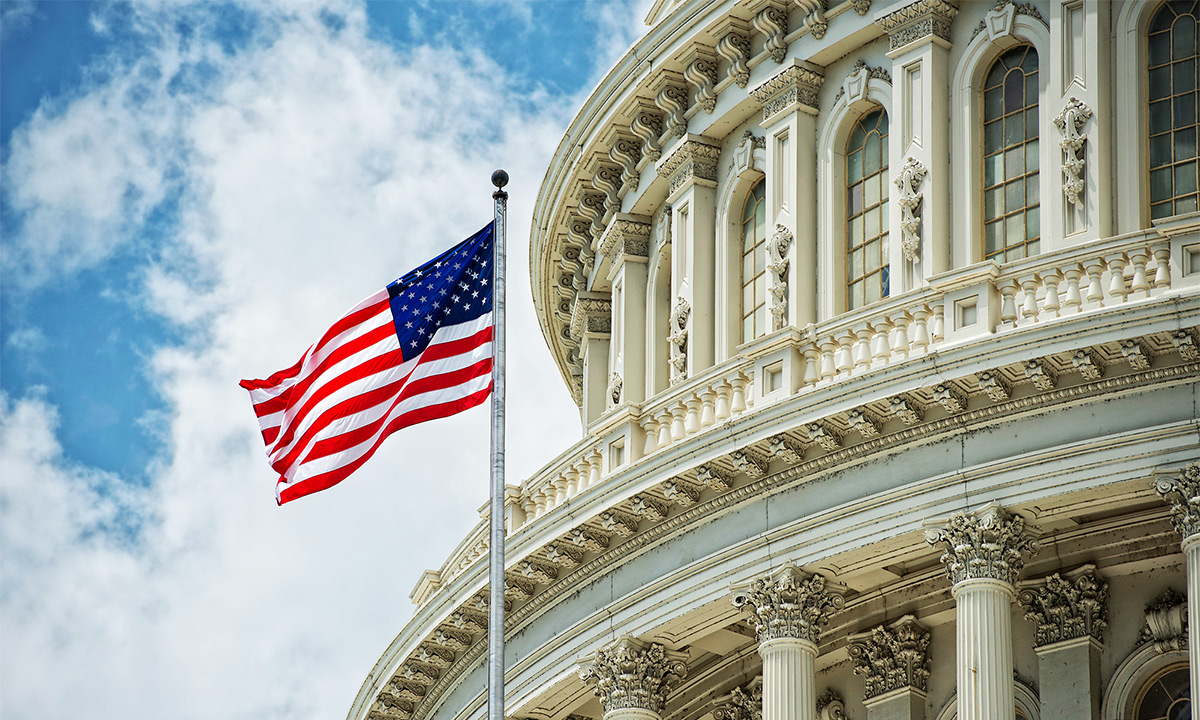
[789, 679]
[984, 659]
[1191, 550]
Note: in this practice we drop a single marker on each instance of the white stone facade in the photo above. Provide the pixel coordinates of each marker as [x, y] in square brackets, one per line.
[972, 495]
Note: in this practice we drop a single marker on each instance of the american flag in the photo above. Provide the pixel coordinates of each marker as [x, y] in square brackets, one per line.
[419, 349]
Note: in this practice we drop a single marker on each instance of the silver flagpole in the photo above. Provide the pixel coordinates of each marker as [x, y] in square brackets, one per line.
[495, 696]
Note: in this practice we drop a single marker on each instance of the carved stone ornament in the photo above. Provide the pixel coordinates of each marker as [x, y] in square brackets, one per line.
[592, 313]
[830, 705]
[854, 87]
[771, 21]
[735, 48]
[794, 86]
[814, 17]
[701, 73]
[743, 704]
[743, 154]
[777, 263]
[677, 340]
[912, 173]
[625, 235]
[614, 389]
[789, 603]
[1065, 608]
[690, 162]
[1166, 622]
[990, 543]
[673, 100]
[1070, 122]
[998, 22]
[1183, 493]
[648, 125]
[892, 657]
[627, 152]
[631, 674]
[917, 21]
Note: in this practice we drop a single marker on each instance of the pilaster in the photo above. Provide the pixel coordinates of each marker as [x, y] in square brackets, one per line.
[894, 661]
[626, 245]
[632, 678]
[919, 147]
[789, 107]
[1183, 493]
[591, 326]
[984, 553]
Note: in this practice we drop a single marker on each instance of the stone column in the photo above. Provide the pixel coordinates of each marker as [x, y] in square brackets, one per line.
[984, 553]
[632, 678]
[1069, 613]
[894, 659]
[1183, 493]
[626, 245]
[788, 608]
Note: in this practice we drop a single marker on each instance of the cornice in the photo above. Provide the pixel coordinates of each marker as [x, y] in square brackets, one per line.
[694, 159]
[795, 86]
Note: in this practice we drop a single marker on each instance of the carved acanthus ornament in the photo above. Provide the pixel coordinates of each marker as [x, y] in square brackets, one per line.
[994, 385]
[631, 674]
[814, 17]
[990, 543]
[592, 313]
[672, 99]
[794, 87]
[789, 603]
[772, 22]
[678, 340]
[1065, 608]
[949, 397]
[912, 173]
[1166, 622]
[1185, 343]
[647, 124]
[917, 21]
[892, 657]
[627, 153]
[701, 73]
[777, 263]
[786, 449]
[607, 179]
[626, 235]
[748, 462]
[1183, 493]
[614, 389]
[1070, 122]
[743, 704]
[591, 207]
[691, 161]
[830, 705]
[735, 48]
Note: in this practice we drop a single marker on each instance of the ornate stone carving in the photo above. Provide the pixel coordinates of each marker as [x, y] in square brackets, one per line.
[908, 410]
[1065, 608]
[784, 449]
[648, 125]
[772, 22]
[701, 73]
[1088, 363]
[625, 235]
[777, 264]
[912, 173]
[563, 555]
[1166, 622]
[749, 463]
[1136, 354]
[1185, 342]
[592, 313]
[648, 507]
[673, 100]
[743, 704]
[743, 154]
[627, 153]
[590, 540]
[989, 543]
[618, 523]
[854, 87]
[607, 179]
[734, 46]
[794, 85]
[830, 705]
[999, 20]
[691, 161]
[614, 389]
[1040, 374]
[680, 493]
[789, 603]
[634, 674]
[713, 478]
[517, 588]
[814, 17]
[949, 397]
[591, 207]
[917, 21]
[1183, 493]
[862, 7]
[1070, 122]
[892, 657]
[537, 571]
[823, 435]
[864, 422]
[678, 340]
[995, 386]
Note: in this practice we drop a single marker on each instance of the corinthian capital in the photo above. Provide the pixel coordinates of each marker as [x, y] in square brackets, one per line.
[1183, 493]
[631, 674]
[990, 543]
[892, 657]
[1065, 608]
[789, 603]
[743, 704]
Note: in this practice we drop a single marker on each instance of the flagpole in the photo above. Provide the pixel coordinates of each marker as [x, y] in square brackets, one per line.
[495, 702]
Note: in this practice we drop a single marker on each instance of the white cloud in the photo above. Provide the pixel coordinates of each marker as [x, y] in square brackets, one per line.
[311, 168]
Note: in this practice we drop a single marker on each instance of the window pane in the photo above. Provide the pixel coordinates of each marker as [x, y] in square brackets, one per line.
[991, 236]
[1031, 190]
[856, 199]
[854, 166]
[1014, 130]
[1160, 49]
[1031, 156]
[856, 232]
[1014, 227]
[991, 203]
[1185, 178]
[1187, 204]
[856, 263]
[992, 133]
[1160, 82]
[872, 290]
[1014, 162]
[1183, 38]
[1184, 76]
[871, 162]
[1031, 123]
[872, 190]
[872, 257]
[883, 125]
[1160, 184]
[885, 280]
[1185, 112]
[1185, 144]
[1032, 223]
[1162, 19]
[1160, 150]
[993, 105]
[993, 169]
[1160, 114]
[1014, 196]
[1160, 210]
[857, 136]
[872, 222]
[1014, 91]
[1031, 90]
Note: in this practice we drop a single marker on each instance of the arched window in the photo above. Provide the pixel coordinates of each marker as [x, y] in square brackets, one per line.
[867, 276]
[1166, 697]
[754, 263]
[1172, 121]
[1011, 209]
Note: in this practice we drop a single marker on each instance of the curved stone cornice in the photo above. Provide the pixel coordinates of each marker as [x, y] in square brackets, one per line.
[1183, 493]
[633, 674]
[1066, 608]
[891, 657]
[789, 603]
[990, 544]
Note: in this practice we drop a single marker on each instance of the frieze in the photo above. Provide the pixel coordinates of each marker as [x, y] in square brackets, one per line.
[892, 657]
[1066, 608]
[631, 674]
[990, 543]
[788, 603]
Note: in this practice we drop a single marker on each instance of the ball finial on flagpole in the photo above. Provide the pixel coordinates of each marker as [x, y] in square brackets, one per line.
[499, 179]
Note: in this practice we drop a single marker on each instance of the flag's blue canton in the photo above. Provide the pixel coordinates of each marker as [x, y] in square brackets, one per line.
[454, 287]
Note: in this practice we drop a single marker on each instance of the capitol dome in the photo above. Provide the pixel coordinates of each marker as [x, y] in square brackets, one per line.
[882, 319]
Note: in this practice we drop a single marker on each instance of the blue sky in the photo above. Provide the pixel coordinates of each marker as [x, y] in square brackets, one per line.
[190, 192]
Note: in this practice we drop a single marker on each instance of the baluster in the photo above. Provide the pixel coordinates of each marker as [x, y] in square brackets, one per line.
[1050, 303]
[939, 322]
[1029, 308]
[1162, 262]
[677, 413]
[594, 462]
[560, 490]
[572, 476]
[882, 346]
[920, 329]
[707, 414]
[1008, 306]
[862, 347]
[1116, 278]
[828, 368]
[665, 432]
[1071, 300]
[812, 372]
[540, 500]
[1139, 284]
[722, 409]
[900, 333]
[530, 507]
[583, 471]
[691, 422]
[845, 360]
[739, 394]
[650, 428]
[1095, 292]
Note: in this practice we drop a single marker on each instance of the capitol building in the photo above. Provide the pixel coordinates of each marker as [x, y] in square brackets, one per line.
[883, 320]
